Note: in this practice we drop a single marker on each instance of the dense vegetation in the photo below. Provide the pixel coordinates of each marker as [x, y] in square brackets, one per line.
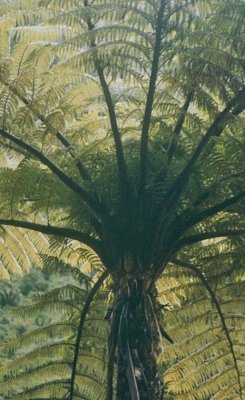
[122, 161]
[21, 291]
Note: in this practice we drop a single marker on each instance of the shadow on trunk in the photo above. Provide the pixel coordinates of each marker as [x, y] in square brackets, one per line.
[134, 343]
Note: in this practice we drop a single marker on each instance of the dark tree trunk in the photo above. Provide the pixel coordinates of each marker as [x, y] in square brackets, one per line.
[137, 343]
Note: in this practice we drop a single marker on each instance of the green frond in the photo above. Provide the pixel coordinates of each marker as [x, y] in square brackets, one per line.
[19, 250]
[52, 388]
[200, 359]
[44, 355]
[58, 370]
[46, 333]
[58, 350]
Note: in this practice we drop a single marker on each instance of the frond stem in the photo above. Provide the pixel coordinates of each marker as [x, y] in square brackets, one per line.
[116, 134]
[80, 166]
[236, 104]
[84, 312]
[189, 240]
[56, 231]
[122, 166]
[150, 98]
[93, 204]
[179, 124]
[29, 390]
[184, 225]
[211, 211]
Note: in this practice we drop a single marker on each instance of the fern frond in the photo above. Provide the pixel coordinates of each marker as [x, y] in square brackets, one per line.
[208, 347]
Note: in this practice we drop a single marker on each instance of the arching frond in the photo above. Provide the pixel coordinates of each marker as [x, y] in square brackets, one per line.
[32, 363]
[207, 347]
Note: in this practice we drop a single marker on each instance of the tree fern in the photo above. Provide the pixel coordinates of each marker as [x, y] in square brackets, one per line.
[123, 152]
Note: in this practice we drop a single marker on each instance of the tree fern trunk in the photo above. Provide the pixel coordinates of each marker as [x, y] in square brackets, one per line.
[137, 344]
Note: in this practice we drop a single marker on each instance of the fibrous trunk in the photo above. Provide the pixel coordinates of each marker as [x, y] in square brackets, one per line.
[135, 334]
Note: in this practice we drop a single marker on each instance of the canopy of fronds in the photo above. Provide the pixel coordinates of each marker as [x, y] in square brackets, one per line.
[122, 130]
